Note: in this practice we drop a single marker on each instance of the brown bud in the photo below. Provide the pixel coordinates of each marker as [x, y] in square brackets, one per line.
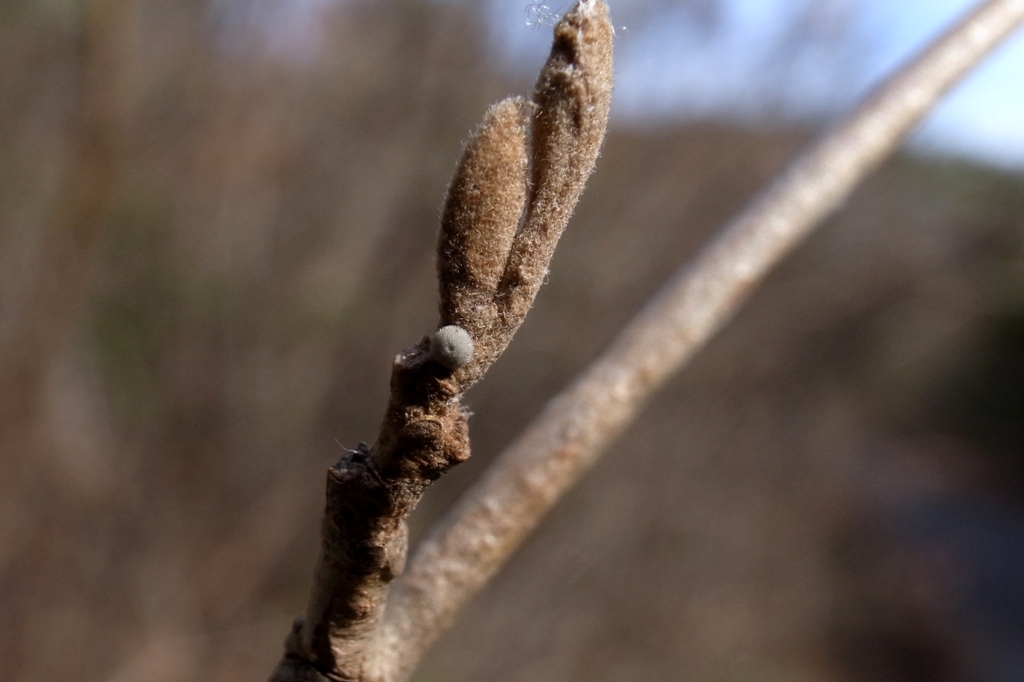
[482, 212]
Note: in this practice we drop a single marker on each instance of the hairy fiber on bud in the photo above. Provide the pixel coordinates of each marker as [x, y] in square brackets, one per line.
[482, 211]
[572, 98]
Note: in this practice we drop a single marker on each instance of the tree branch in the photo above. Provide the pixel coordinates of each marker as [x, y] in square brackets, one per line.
[567, 437]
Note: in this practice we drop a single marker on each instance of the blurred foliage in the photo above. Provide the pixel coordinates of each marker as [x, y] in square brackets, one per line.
[266, 246]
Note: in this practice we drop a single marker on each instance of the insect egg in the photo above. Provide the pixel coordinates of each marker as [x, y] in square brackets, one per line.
[451, 346]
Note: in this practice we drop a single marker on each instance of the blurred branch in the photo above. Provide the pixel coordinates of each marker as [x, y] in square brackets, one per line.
[38, 323]
[565, 440]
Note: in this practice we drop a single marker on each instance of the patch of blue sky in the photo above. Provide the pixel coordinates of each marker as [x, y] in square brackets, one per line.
[751, 70]
[983, 117]
[755, 66]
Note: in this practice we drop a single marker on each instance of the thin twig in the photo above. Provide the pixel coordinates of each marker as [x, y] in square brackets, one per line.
[519, 179]
[575, 427]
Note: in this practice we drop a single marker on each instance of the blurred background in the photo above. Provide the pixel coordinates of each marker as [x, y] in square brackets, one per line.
[217, 221]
